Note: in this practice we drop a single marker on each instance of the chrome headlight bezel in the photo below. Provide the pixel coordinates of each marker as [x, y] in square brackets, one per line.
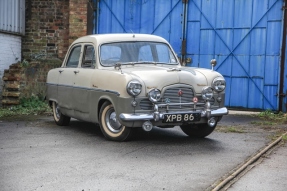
[154, 95]
[207, 93]
[134, 88]
[219, 84]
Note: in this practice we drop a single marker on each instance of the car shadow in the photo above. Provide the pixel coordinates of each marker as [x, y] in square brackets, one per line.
[166, 141]
[156, 135]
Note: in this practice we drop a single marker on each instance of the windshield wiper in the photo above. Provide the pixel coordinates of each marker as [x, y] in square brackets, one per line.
[119, 64]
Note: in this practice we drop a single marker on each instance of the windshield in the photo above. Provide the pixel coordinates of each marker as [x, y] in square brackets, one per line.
[136, 53]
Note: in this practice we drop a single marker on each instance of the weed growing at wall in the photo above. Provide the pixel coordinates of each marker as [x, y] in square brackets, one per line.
[27, 106]
[279, 118]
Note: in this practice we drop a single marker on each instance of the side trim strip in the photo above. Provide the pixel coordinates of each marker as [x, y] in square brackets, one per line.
[84, 88]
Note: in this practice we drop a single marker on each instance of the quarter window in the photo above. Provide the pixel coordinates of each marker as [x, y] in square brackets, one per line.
[74, 57]
[89, 57]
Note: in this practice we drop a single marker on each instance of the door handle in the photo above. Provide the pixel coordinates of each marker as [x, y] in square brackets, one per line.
[76, 72]
[61, 71]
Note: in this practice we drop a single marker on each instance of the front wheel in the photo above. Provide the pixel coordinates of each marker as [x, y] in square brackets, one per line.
[60, 118]
[110, 125]
[197, 130]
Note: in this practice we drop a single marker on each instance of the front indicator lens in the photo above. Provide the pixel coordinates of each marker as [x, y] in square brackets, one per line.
[207, 93]
[154, 95]
[218, 84]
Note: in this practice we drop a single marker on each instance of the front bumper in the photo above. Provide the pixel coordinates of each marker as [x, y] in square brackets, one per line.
[156, 116]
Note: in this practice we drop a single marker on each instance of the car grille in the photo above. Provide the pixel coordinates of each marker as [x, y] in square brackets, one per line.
[172, 95]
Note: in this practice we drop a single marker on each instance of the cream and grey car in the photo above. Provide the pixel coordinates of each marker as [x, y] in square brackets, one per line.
[128, 81]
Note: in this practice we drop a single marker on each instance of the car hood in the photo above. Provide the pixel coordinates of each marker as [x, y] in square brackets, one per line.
[159, 77]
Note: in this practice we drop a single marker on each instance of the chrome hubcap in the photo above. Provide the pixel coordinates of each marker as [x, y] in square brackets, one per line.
[57, 111]
[112, 122]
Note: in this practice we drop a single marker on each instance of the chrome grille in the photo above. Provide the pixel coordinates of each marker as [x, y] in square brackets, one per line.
[172, 95]
[146, 104]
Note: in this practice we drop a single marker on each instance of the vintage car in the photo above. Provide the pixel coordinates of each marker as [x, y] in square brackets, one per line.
[126, 81]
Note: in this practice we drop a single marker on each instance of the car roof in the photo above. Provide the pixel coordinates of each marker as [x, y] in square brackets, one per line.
[119, 37]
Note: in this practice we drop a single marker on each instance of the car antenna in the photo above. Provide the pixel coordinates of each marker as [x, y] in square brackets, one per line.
[133, 33]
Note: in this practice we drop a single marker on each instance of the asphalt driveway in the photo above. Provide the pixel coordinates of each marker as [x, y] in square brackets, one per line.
[36, 154]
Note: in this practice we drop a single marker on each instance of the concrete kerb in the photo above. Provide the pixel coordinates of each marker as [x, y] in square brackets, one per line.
[245, 165]
[235, 112]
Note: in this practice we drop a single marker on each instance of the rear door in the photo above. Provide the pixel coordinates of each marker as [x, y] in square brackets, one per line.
[82, 81]
[67, 77]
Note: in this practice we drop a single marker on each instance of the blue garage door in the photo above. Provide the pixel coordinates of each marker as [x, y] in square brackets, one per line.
[243, 35]
[245, 38]
[159, 17]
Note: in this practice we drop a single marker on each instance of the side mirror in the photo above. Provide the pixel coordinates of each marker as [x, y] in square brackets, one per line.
[213, 63]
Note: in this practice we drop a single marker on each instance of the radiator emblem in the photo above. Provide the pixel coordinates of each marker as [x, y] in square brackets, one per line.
[180, 92]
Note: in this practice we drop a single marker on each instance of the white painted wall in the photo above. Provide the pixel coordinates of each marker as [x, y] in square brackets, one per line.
[10, 52]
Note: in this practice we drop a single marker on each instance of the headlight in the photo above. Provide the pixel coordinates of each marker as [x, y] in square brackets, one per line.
[207, 93]
[154, 95]
[218, 84]
[134, 88]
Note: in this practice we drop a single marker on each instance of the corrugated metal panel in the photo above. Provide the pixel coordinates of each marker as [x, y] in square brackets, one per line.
[245, 38]
[12, 16]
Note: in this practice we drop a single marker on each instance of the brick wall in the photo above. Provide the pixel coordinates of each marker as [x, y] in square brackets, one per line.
[10, 52]
[78, 18]
[47, 29]
[51, 26]
[26, 81]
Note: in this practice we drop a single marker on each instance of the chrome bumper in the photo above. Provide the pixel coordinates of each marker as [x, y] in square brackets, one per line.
[157, 116]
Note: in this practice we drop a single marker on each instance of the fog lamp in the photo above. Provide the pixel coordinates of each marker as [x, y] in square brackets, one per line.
[207, 93]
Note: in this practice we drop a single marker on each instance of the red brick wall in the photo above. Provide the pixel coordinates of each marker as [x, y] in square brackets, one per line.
[78, 19]
[51, 26]
[47, 29]
[26, 81]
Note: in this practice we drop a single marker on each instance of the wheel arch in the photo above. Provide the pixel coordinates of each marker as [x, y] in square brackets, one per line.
[101, 102]
[50, 102]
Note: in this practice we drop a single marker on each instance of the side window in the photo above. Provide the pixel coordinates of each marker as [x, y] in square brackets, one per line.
[89, 57]
[74, 57]
[145, 54]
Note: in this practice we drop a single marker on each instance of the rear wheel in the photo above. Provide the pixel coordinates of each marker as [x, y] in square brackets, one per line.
[197, 130]
[60, 118]
[110, 125]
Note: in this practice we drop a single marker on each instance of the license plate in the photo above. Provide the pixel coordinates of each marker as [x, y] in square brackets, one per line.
[174, 118]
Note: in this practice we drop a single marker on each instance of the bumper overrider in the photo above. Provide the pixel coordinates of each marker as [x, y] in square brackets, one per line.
[190, 116]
